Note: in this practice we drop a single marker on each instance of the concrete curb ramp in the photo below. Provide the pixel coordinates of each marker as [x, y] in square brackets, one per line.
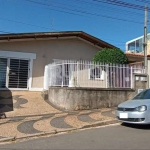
[54, 132]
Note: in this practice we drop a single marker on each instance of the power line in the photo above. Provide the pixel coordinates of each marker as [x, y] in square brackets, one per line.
[114, 9]
[122, 3]
[77, 11]
[143, 1]
[109, 9]
[95, 5]
[22, 23]
[84, 12]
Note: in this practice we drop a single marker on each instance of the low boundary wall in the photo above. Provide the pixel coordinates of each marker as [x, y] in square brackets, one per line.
[76, 98]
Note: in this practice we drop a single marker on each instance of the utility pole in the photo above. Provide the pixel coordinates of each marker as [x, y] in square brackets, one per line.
[145, 38]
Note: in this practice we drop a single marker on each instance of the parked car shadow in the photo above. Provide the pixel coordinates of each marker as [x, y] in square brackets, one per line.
[136, 126]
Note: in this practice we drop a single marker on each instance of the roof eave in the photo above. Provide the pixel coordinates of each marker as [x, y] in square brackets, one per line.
[85, 36]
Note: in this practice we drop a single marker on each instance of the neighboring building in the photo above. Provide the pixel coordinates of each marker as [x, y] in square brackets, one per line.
[24, 56]
[136, 45]
[134, 49]
[135, 52]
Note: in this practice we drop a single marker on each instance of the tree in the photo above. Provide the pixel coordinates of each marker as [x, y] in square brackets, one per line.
[107, 55]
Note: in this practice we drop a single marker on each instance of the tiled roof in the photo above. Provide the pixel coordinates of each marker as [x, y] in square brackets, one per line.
[136, 55]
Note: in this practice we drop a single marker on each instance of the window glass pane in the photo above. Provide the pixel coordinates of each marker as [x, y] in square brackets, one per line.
[131, 46]
[148, 37]
[139, 45]
[95, 73]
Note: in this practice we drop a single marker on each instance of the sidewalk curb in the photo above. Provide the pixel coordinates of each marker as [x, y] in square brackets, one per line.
[53, 132]
[7, 139]
[37, 134]
[99, 123]
[66, 130]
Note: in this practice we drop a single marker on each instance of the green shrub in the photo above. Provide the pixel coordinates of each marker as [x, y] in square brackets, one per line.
[115, 56]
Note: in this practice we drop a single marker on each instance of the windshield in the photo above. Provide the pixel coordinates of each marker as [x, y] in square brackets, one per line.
[145, 94]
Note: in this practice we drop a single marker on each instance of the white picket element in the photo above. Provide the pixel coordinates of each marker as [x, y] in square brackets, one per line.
[46, 83]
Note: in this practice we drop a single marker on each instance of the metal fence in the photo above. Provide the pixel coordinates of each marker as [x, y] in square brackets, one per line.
[72, 73]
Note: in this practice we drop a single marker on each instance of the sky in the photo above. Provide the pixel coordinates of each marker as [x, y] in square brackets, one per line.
[109, 22]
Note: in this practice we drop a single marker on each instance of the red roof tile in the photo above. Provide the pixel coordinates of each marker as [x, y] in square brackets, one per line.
[136, 54]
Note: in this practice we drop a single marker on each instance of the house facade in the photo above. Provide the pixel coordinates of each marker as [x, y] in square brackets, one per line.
[23, 57]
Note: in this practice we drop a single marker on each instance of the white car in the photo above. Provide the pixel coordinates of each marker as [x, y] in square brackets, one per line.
[136, 110]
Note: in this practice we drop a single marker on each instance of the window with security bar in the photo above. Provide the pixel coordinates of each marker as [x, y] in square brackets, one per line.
[18, 73]
[96, 73]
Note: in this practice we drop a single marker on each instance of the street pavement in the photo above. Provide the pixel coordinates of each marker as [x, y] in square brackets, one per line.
[113, 137]
[32, 115]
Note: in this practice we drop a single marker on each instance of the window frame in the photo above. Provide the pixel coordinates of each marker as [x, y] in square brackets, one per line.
[96, 78]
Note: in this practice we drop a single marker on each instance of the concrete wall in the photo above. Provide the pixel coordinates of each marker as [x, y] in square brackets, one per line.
[47, 50]
[92, 98]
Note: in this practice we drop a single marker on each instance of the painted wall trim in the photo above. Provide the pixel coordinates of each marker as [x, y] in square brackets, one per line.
[21, 89]
[30, 74]
[14, 89]
[10, 54]
[36, 89]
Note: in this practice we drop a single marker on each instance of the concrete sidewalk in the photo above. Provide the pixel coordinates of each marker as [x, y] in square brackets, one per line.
[34, 116]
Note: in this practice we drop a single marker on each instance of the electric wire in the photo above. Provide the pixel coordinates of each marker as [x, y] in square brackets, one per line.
[84, 12]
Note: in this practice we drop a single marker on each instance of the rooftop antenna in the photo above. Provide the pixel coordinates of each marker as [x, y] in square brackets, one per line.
[52, 24]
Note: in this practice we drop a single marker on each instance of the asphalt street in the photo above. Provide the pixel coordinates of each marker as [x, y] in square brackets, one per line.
[114, 137]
